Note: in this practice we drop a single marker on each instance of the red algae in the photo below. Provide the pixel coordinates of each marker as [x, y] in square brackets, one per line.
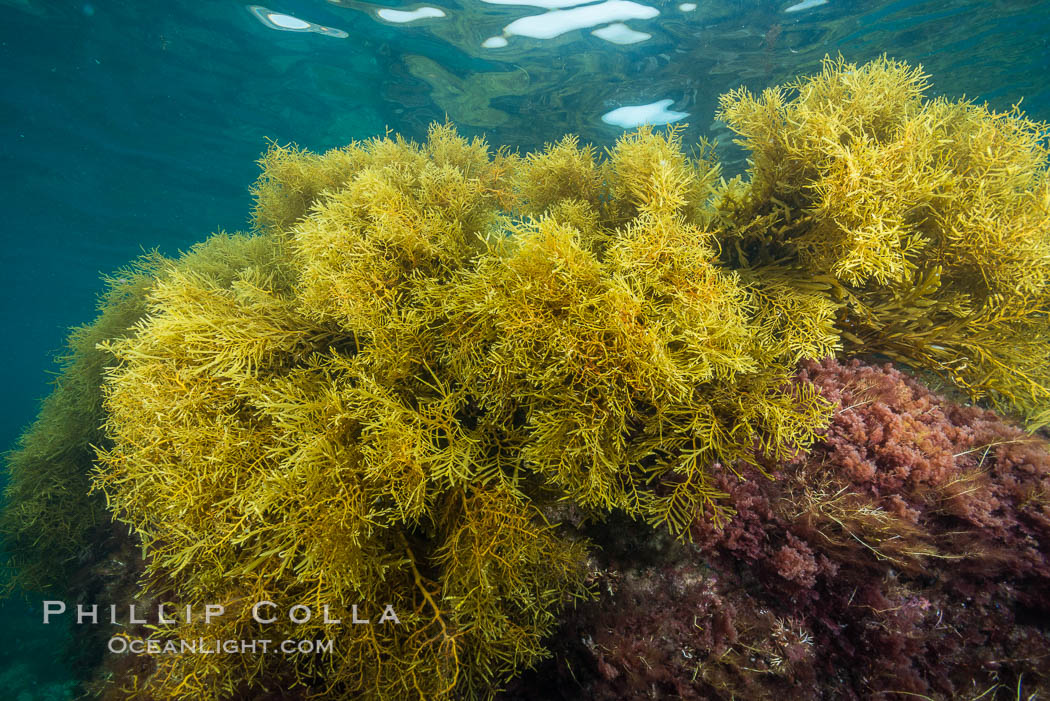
[905, 555]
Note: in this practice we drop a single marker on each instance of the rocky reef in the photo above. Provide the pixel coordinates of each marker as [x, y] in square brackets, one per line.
[581, 413]
[903, 556]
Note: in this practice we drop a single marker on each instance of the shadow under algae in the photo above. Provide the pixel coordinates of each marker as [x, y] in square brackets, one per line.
[424, 355]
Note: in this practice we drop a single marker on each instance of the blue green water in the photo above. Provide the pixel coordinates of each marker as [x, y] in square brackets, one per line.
[135, 125]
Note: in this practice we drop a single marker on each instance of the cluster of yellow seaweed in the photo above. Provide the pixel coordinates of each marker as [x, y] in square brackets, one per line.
[927, 220]
[376, 402]
[376, 397]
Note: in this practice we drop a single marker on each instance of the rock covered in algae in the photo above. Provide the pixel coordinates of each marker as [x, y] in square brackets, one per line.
[385, 392]
[906, 555]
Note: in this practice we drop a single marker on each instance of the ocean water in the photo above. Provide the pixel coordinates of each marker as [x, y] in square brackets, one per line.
[128, 126]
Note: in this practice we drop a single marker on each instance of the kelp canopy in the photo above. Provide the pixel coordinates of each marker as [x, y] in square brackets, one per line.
[382, 393]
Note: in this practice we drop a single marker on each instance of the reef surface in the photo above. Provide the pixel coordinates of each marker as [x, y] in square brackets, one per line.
[602, 415]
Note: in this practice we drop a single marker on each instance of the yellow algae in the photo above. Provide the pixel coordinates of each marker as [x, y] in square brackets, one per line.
[381, 394]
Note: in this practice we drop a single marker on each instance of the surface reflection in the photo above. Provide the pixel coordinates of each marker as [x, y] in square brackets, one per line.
[572, 66]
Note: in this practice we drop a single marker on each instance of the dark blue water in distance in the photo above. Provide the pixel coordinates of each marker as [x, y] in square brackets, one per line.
[134, 125]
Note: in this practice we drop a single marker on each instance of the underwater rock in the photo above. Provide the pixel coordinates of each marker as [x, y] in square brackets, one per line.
[432, 371]
[908, 553]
